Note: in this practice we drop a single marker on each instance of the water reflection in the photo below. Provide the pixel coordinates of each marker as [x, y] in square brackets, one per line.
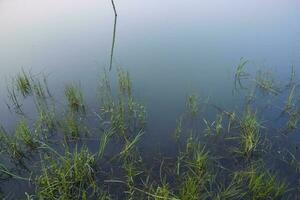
[114, 35]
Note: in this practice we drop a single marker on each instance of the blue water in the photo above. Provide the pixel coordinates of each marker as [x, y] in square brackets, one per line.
[171, 48]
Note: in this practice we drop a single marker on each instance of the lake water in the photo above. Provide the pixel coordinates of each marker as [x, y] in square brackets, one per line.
[171, 48]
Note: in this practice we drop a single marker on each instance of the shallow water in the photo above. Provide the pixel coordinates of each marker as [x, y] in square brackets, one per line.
[169, 46]
[171, 49]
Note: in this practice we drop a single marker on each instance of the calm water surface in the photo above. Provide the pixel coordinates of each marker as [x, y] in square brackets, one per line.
[171, 48]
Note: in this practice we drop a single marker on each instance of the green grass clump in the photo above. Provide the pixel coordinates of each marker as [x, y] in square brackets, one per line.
[195, 170]
[292, 123]
[71, 126]
[162, 192]
[123, 114]
[119, 164]
[72, 176]
[45, 122]
[215, 127]
[262, 185]
[192, 105]
[23, 84]
[250, 134]
[190, 189]
[265, 81]
[232, 191]
[178, 129]
[124, 82]
[24, 134]
[104, 139]
[74, 98]
[198, 163]
[11, 146]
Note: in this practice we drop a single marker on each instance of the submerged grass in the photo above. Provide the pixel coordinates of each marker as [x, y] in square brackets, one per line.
[71, 177]
[73, 158]
[261, 184]
[25, 135]
[74, 98]
[265, 81]
[23, 84]
[250, 134]
[192, 105]
[240, 73]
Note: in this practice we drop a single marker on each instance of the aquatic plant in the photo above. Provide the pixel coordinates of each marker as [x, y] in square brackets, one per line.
[104, 139]
[117, 166]
[262, 184]
[162, 192]
[71, 126]
[198, 163]
[292, 123]
[23, 84]
[265, 81]
[292, 80]
[240, 73]
[45, 122]
[14, 101]
[289, 102]
[72, 176]
[178, 129]
[123, 114]
[75, 98]
[232, 191]
[250, 134]
[130, 145]
[25, 135]
[124, 82]
[215, 127]
[192, 105]
[12, 146]
[219, 126]
[190, 189]
[231, 116]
